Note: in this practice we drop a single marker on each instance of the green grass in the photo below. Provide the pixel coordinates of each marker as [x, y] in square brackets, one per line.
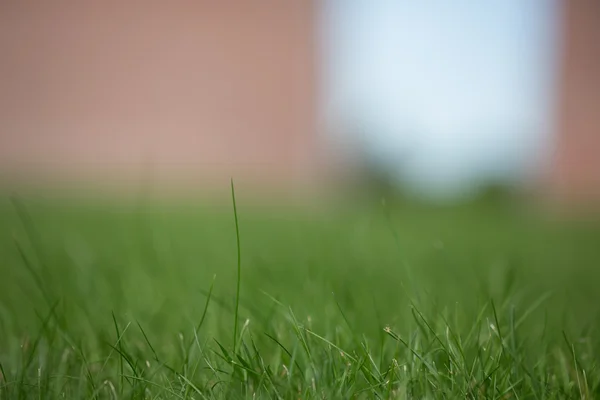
[351, 302]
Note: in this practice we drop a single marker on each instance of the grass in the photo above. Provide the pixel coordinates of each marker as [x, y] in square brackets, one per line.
[357, 302]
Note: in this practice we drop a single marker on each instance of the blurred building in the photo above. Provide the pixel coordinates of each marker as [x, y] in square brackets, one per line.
[576, 166]
[198, 89]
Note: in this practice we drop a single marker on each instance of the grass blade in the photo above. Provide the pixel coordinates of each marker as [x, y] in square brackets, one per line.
[239, 268]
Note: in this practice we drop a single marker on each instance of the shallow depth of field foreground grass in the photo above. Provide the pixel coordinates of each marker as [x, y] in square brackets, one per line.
[371, 302]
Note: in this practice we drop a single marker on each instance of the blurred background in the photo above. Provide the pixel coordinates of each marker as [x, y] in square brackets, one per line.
[436, 100]
[430, 145]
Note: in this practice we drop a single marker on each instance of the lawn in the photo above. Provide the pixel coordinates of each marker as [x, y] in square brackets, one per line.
[371, 301]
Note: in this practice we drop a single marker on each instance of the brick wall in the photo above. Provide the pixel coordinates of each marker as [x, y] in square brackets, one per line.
[576, 168]
[202, 89]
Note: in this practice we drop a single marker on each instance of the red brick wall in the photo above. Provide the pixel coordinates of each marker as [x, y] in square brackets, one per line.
[201, 88]
[576, 173]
